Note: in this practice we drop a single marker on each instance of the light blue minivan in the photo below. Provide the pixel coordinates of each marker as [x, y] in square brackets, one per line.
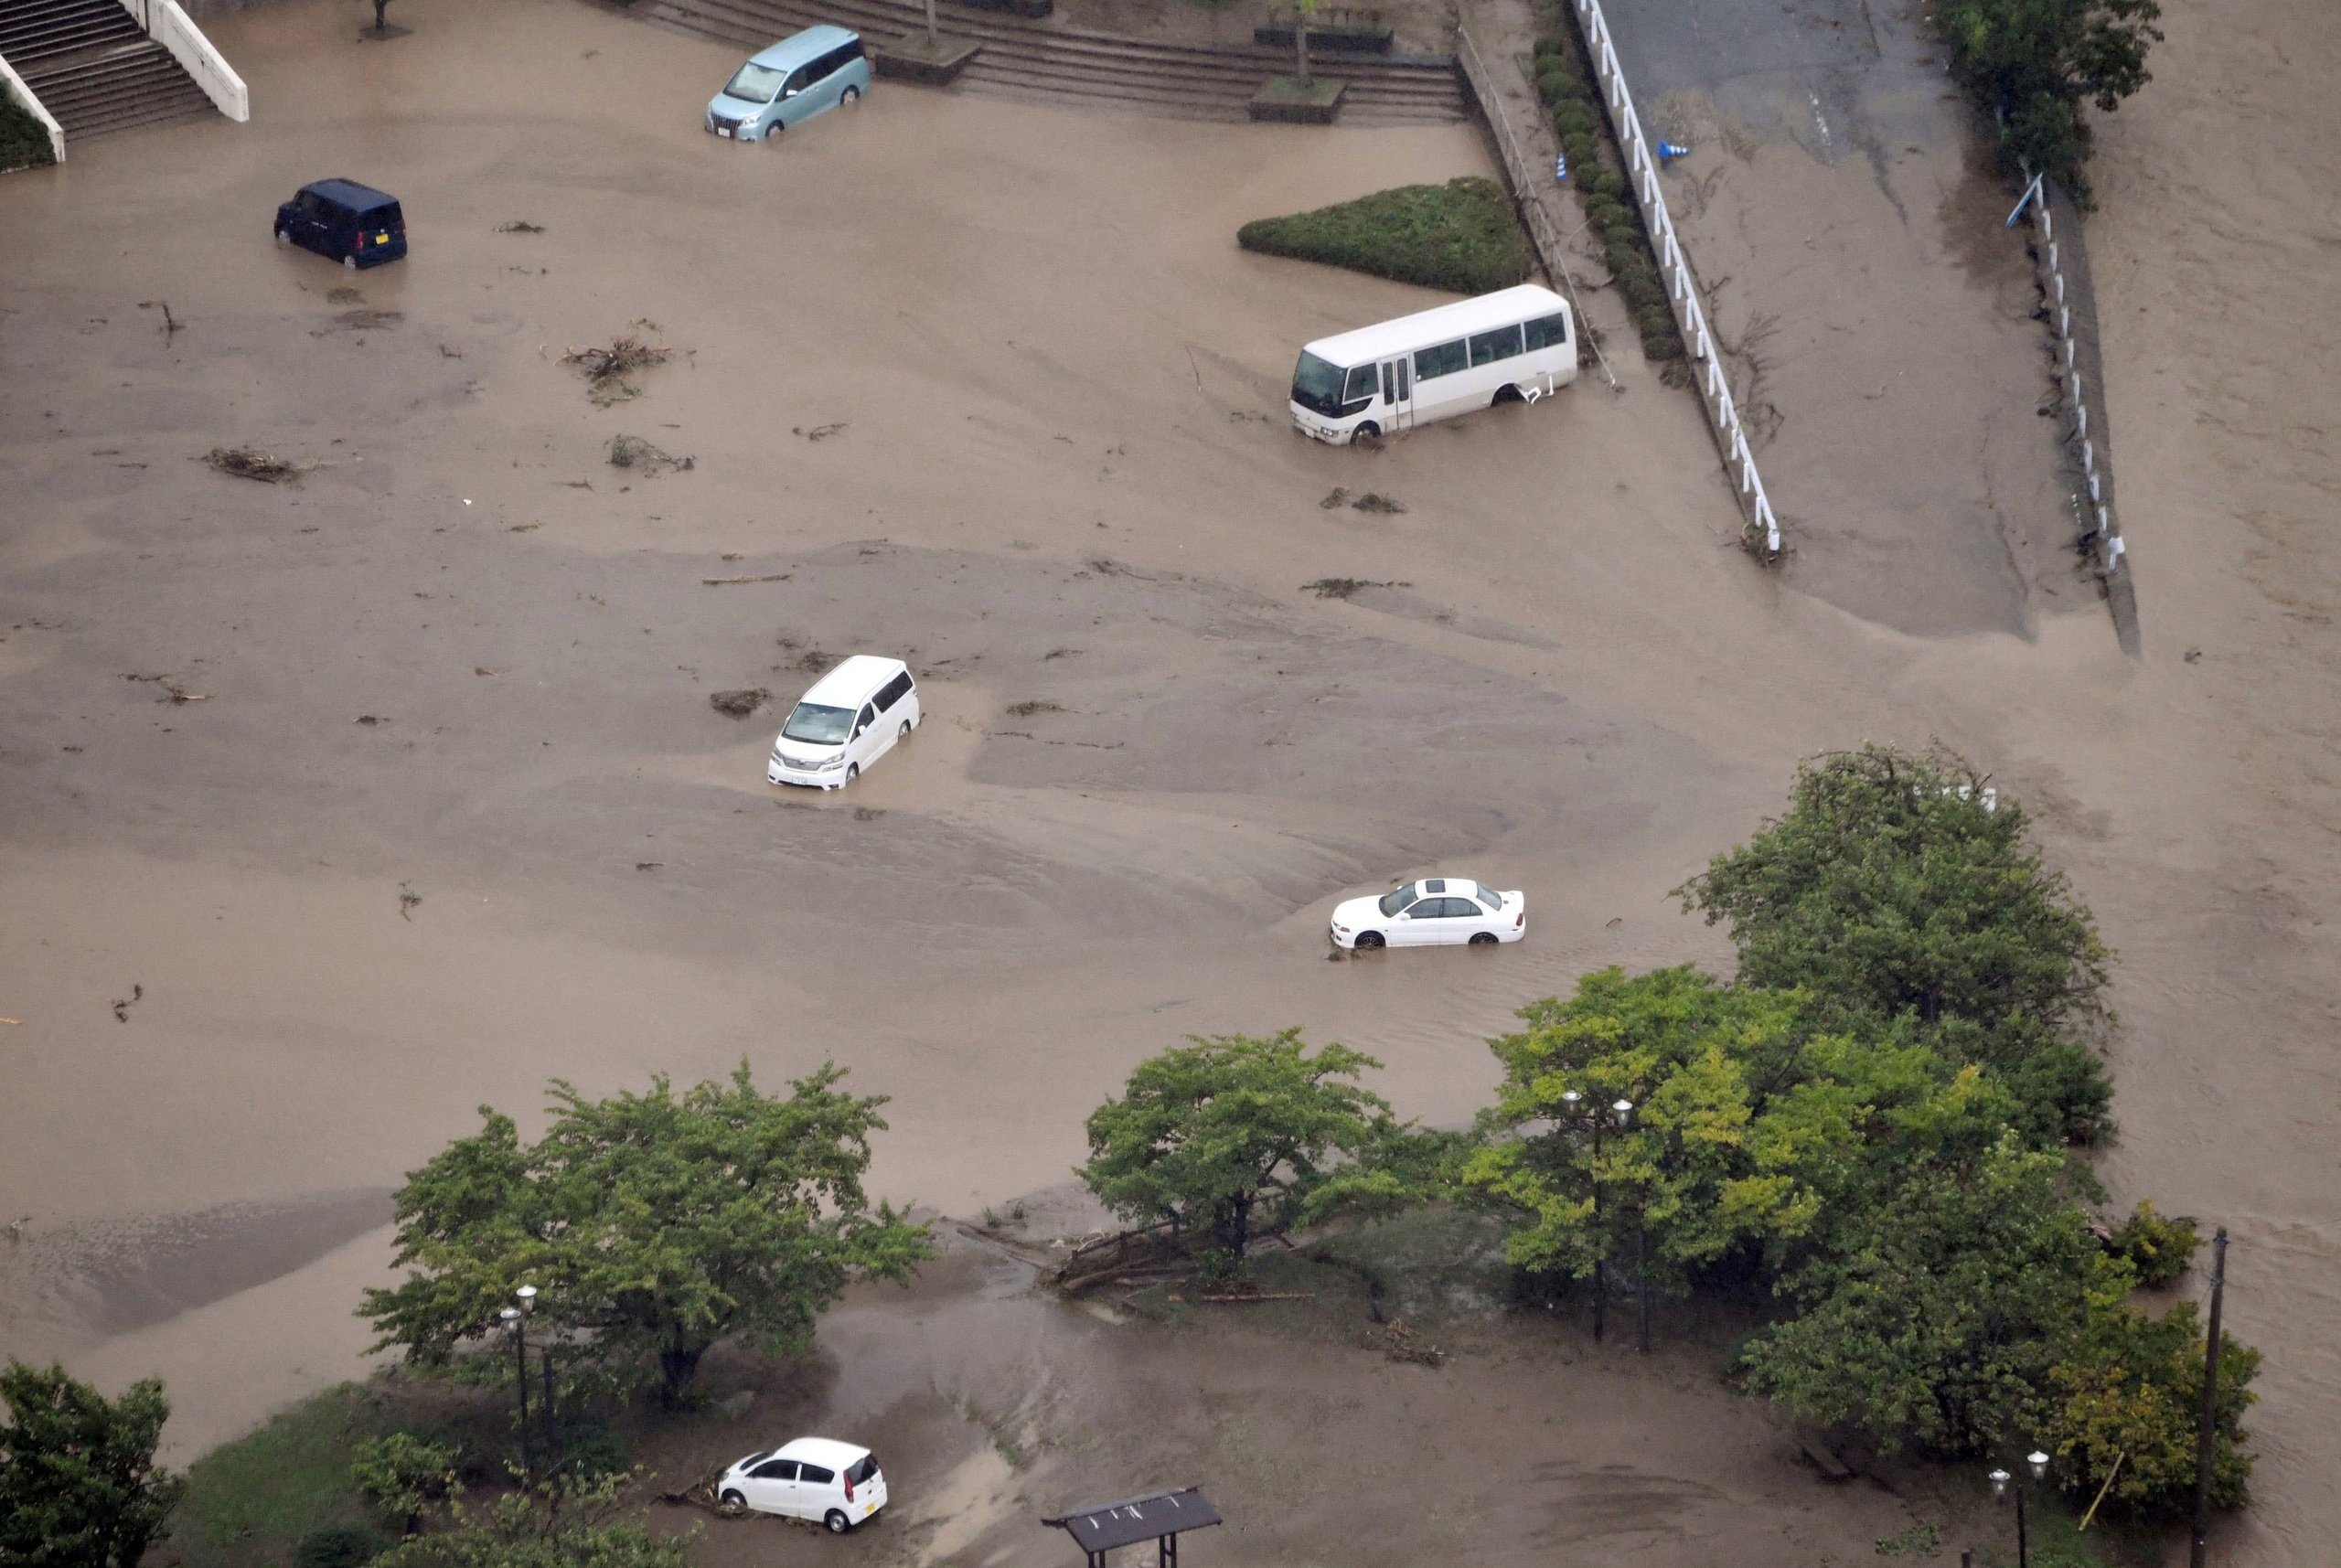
[794, 80]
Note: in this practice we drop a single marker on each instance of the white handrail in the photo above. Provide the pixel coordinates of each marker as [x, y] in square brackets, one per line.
[1674, 260]
[24, 95]
[167, 24]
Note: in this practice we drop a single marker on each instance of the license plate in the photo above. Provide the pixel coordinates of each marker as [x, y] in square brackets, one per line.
[381, 239]
[722, 132]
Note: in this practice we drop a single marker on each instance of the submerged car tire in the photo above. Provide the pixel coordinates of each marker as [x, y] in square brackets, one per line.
[1507, 394]
[852, 771]
[903, 733]
[1369, 941]
[837, 1521]
[1367, 432]
[1483, 939]
[282, 238]
[350, 260]
[851, 96]
[731, 1505]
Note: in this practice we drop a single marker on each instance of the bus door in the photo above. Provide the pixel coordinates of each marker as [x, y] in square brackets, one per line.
[1398, 393]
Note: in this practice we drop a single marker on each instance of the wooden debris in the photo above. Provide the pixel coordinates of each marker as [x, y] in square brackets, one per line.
[768, 577]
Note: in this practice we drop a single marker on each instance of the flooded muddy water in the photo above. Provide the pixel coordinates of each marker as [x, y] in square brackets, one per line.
[455, 815]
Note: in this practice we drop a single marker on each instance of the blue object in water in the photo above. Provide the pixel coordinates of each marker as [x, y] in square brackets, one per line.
[1668, 151]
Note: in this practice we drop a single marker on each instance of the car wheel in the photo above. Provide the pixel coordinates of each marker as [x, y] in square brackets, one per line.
[1369, 941]
[1369, 432]
[850, 96]
[837, 1521]
[351, 261]
[905, 732]
[772, 132]
[282, 238]
[852, 771]
[731, 1505]
[1506, 395]
[1483, 939]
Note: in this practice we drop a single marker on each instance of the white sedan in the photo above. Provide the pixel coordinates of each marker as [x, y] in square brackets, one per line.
[1431, 912]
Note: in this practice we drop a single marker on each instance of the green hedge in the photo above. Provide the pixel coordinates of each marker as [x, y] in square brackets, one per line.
[24, 141]
[1461, 236]
[1593, 168]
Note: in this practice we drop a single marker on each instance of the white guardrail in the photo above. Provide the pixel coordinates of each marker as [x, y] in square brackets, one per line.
[170, 27]
[2111, 549]
[13, 83]
[1682, 289]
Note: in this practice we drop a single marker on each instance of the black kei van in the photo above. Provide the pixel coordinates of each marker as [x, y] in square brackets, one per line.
[354, 224]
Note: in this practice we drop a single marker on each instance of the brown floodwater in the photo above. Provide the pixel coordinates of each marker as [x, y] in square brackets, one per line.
[1061, 473]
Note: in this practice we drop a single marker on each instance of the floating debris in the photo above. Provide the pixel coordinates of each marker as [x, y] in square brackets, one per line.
[739, 704]
[606, 369]
[250, 463]
[633, 451]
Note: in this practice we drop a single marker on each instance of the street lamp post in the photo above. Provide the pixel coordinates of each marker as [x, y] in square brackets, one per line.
[1575, 1113]
[516, 1320]
[2037, 1463]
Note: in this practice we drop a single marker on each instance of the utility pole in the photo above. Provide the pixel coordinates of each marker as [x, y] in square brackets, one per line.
[2204, 1442]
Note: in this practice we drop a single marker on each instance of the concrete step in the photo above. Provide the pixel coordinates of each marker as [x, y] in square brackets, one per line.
[33, 30]
[1036, 59]
[94, 91]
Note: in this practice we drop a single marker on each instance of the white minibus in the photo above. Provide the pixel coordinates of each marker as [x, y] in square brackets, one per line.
[1513, 344]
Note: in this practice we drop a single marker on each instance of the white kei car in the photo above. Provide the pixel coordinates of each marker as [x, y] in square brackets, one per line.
[1432, 913]
[834, 1484]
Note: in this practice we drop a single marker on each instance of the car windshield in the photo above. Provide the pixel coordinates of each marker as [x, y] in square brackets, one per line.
[1393, 902]
[1316, 384]
[754, 83]
[817, 726]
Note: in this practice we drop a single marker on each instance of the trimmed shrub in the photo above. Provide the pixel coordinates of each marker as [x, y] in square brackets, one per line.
[2156, 1248]
[1593, 168]
[1462, 235]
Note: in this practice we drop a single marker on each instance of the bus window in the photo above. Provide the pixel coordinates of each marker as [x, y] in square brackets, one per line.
[1487, 347]
[1551, 332]
[1443, 360]
[1359, 394]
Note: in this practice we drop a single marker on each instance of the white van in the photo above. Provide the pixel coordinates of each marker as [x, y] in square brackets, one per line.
[1516, 343]
[851, 718]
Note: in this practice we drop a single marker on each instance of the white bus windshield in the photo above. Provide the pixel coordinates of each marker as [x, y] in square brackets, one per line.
[1316, 384]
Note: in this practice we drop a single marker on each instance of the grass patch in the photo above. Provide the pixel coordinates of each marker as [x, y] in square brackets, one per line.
[1462, 235]
[24, 141]
[255, 1498]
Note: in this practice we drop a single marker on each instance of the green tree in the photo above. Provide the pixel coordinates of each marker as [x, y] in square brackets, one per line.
[79, 1486]
[400, 1475]
[1232, 1132]
[2031, 65]
[2124, 1401]
[1895, 885]
[1686, 1050]
[547, 1528]
[652, 1224]
[1935, 1309]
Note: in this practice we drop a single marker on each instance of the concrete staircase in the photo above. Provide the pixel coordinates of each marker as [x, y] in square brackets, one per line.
[1047, 59]
[91, 66]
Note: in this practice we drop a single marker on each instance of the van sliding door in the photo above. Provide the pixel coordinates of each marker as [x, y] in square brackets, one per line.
[1398, 393]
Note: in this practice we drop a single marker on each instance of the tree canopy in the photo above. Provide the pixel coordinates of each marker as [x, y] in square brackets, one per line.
[1232, 1132]
[79, 1486]
[1896, 886]
[653, 1225]
[2032, 64]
